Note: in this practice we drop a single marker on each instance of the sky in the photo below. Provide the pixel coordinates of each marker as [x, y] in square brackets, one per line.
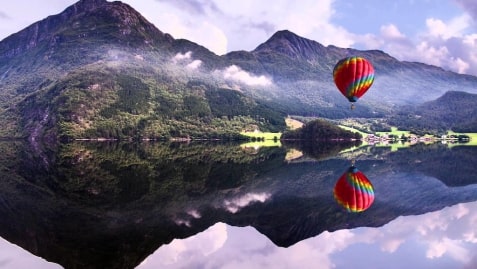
[441, 33]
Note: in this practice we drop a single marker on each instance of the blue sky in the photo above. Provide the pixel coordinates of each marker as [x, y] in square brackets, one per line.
[441, 33]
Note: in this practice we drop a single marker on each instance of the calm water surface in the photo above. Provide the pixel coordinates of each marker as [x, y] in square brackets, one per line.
[154, 205]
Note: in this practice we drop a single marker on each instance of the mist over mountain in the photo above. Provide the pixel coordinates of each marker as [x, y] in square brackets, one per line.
[100, 69]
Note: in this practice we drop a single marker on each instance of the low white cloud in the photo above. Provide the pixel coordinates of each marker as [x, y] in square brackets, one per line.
[180, 222]
[237, 203]
[236, 74]
[194, 213]
[187, 60]
[185, 219]
[182, 56]
[194, 64]
[459, 65]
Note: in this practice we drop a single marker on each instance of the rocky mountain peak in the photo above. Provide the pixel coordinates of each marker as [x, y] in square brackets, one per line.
[292, 45]
[97, 21]
[90, 4]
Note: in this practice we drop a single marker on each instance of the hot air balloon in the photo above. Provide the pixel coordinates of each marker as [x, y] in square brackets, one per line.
[354, 191]
[353, 76]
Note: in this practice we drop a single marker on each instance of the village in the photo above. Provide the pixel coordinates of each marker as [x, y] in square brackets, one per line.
[389, 138]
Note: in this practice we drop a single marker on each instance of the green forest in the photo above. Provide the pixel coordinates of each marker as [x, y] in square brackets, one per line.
[110, 103]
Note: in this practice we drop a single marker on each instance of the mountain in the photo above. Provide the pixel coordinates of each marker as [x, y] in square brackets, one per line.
[303, 68]
[82, 34]
[100, 69]
[454, 110]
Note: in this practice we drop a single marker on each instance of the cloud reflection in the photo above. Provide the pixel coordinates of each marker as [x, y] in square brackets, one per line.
[235, 204]
[13, 256]
[447, 236]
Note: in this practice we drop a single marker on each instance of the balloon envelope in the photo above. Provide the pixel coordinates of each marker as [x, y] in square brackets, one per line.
[353, 76]
[354, 191]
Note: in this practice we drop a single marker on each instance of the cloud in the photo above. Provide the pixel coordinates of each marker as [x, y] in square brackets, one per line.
[470, 6]
[182, 56]
[4, 15]
[453, 28]
[194, 64]
[236, 74]
[203, 32]
[194, 7]
[191, 249]
[194, 21]
[185, 219]
[13, 256]
[444, 43]
[264, 26]
[186, 58]
[391, 31]
[224, 26]
[194, 213]
[237, 203]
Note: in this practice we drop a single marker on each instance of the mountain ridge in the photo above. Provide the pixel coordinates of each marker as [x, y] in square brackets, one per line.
[292, 45]
[50, 27]
[287, 74]
[440, 114]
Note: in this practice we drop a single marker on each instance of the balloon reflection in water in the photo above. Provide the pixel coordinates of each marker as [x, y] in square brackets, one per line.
[354, 191]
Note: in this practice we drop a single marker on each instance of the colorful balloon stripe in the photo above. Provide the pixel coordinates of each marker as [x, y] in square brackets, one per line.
[354, 191]
[353, 76]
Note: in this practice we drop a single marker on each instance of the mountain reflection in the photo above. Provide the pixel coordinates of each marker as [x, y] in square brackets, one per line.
[100, 205]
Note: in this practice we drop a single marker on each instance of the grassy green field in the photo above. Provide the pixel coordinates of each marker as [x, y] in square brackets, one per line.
[266, 140]
[265, 136]
[394, 131]
[472, 142]
[353, 130]
[259, 144]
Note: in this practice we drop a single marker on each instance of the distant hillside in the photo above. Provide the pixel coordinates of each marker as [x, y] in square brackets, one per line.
[96, 101]
[454, 110]
[320, 130]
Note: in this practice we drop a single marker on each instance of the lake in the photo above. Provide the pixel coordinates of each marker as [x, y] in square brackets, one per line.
[223, 205]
